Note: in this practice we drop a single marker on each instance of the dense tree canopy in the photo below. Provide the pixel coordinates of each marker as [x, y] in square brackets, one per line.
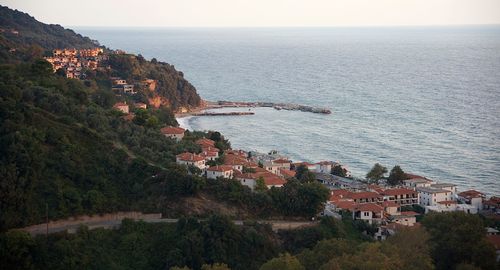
[376, 173]
[458, 238]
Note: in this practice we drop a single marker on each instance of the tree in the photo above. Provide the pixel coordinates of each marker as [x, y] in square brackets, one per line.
[456, 238]
[283, 262]
[412, 247]
[339, 171]
[304, 175]
[260, 185]
[396, 176]
[376, 173]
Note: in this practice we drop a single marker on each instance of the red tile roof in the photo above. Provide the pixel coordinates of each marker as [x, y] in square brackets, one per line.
[205, 142]
[220, 168]
[209, 154]
[347, 205]
[470, 194]
[287, 173]
[281, 161]
[172, 130]
[190, 157]
[365, 195]
[210, 149]
[369, 207]
[273, 180]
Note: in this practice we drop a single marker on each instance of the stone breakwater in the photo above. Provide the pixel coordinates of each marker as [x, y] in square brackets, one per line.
[277, 106]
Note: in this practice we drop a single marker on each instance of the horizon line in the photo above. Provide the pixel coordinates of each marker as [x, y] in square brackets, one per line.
[290, 26]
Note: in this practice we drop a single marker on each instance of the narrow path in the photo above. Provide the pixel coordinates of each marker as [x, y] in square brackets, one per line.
[114, 224]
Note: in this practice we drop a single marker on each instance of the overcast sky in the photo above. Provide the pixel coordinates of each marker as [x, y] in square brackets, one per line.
[256, 13]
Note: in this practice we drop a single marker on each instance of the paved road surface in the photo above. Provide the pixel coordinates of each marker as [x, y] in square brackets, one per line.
[113, 224]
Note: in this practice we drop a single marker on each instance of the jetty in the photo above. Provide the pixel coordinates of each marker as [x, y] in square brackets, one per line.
[277, 106]
[223, 113]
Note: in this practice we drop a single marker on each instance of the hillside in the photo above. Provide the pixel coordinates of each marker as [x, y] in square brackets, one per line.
[23, 38]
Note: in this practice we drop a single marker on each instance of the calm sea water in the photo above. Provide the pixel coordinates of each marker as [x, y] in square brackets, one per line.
[427, 99]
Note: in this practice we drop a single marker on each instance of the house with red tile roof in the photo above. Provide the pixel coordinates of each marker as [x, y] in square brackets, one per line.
[209, 155]
[369, 212]
[175, 133]
[204, 142]
[250, 179]
[472, 197]
[222, 171]
[190, 159]
[287, 174]
[282, 163]
[121, 106]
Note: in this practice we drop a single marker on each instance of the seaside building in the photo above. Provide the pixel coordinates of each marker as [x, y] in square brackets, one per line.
[175, 133]
[418, 182]
[369, 212]
[190, 159]
[472, 197]
[401, 196]
[432, 196]
[222, 171]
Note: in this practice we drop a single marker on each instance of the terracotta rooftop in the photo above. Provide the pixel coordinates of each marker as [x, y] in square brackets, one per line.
[365, 195]
[190, 157]
[347, 205]
[273, 180]
[205, 141]
[287, 173]
[369, 207]
[469, 194]
[409, 213]
[172, 130]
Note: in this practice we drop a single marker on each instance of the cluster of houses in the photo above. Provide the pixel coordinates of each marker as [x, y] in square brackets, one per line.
[383, 205]
[246, 167]
[121, 86]
[74, 61]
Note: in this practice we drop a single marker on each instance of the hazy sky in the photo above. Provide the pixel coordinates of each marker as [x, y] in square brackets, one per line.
[260, 12]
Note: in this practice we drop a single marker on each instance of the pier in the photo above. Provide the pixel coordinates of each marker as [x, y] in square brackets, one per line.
[223, 113]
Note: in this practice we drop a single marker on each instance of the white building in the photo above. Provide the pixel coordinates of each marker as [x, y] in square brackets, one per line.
[324, 167]
[190, 159]
[369, 212]
[417, 182]
[220, 171]
[472, 197]
[446, 186]
[451, 206]
[432, 196]
[175, 133]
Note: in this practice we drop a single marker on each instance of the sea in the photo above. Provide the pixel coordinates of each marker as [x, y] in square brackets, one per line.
[424, 98]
